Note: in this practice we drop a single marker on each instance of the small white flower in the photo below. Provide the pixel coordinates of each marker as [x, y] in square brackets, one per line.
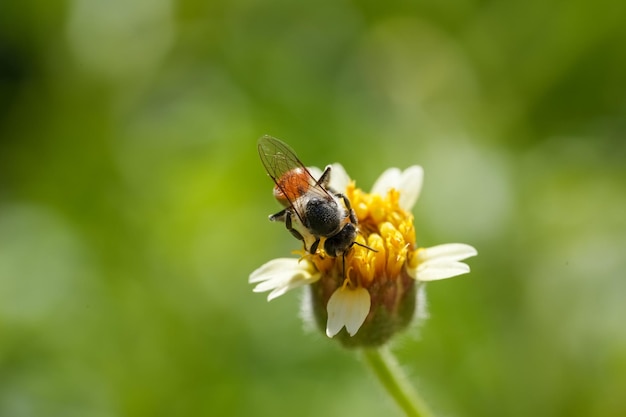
[347, 307]
[281, 275]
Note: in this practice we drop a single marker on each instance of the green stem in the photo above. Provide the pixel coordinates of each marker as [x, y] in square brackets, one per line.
[391, 376]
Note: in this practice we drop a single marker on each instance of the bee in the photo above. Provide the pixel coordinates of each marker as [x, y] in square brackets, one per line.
[314, 213]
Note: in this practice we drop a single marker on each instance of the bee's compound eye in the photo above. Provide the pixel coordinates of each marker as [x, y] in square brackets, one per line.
[323, 216]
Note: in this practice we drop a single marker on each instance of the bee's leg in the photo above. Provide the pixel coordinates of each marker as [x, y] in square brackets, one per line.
[285, 216]
[280, 216]
[314, 246]
[325, 178]
[348, 207]
[289, 227]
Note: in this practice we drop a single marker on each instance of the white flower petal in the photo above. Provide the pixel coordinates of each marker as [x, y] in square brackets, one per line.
[275, 265]
[441, 270]
[407, 182]
[347, 307]
[281, 275]
[315, 172]
[448, 251]
[387, 180]
[442, 261]
[410, 186]
[339, 178]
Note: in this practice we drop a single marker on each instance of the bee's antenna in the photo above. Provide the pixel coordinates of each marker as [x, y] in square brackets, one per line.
[364, 246]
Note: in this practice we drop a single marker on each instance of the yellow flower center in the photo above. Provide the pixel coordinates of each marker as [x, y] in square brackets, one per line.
[384, 227]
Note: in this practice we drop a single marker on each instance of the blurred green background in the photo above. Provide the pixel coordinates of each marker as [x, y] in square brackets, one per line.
[133, 205]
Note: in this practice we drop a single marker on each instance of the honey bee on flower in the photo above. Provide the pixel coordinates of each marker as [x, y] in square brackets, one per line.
[313, 210]
[373, 291]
